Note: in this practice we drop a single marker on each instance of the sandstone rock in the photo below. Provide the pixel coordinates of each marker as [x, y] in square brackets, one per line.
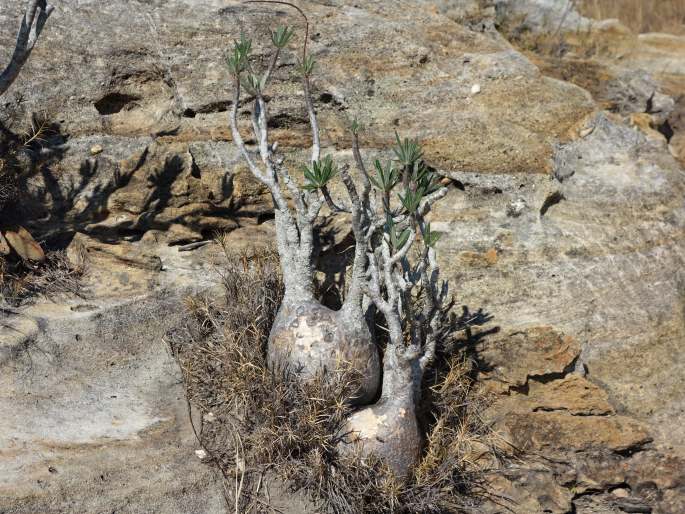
[94, 406]
[21, 241]
[126, 253]
[662, 55]
[574, 266]
[677, 147]
[176, 234]
[586, 275]
[16, 334]
[544, 16]
[530, 490]
[638, 92]
[551, 432]
[573, 394]
[621, 492]
[625, 72]
[534, 352]
[597, 504]
[648, 126]
[475, 14]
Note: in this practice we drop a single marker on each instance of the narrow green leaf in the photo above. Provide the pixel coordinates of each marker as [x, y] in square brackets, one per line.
[307, 66]
[282, 36]
[403, 238]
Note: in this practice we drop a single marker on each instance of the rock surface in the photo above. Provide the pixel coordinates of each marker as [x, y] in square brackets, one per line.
[23, 244]
[639, 76]
[563, 223]
[94, 412]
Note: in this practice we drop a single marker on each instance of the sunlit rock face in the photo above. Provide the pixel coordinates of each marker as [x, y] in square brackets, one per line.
[595, 254]
[564, 224]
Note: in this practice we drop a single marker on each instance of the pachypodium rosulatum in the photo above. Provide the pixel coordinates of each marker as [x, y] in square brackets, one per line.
[404, 285]
[394, 269]
[306, 334]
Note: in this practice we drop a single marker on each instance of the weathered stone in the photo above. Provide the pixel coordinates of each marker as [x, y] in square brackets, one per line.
[94, 418]
[4, 245]
[564, 225]
[543, 16]
[621, 492]
[534, 352]
[126, 253]
[597, 504]
[638, 92]
[625, 72]
[557, 432]
[528, 489]
[21, 241]
[16, 333]
[573, 394]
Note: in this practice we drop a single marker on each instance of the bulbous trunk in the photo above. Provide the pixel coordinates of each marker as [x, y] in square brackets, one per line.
[310, 337]
[313, 338]
[389, 429]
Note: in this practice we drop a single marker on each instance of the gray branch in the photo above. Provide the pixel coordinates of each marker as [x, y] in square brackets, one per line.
[272, 67]
[316, 143]
[359, 207]
[35, 16]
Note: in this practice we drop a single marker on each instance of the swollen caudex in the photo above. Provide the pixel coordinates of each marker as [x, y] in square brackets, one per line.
[306, 335]
[313, 338]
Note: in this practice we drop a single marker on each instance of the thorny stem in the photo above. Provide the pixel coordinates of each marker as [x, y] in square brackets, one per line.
[272, 67]
[316, 143]
[295, 243]
[295, 235]
[387, 277]
[362, 169]
[359, 210]
[306, 21]
[329, 201]
[390, 282]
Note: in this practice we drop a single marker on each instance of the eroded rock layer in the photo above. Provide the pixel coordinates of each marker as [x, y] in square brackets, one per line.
[564, 240]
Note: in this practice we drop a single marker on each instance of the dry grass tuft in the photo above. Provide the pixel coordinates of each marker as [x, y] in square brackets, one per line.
[16, 152]
[639, 15]
[21, 156]
[268, 424]
[20, 282]
[8, 189]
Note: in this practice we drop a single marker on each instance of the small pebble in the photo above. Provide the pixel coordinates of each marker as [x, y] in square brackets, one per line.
[201, 454]
[95, 149]
[475, 89]
[516, 208]
[586, 131]
[209, 417]
[621, 492]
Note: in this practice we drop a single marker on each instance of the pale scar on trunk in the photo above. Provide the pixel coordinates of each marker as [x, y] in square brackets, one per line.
[307, 335]
[368, 424]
